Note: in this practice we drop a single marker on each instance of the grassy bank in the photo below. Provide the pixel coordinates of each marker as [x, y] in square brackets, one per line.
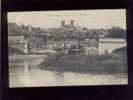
[92, 63]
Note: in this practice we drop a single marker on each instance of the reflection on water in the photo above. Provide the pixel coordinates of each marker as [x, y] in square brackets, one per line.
[28, 74]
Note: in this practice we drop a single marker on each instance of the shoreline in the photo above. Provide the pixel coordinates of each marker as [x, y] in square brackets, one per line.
[84, 71]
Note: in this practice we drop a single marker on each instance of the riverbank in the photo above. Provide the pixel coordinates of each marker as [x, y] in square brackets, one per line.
[110, 63]
[27, 57]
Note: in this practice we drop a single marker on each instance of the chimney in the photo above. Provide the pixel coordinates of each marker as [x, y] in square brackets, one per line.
[72, 23]
[62, 23]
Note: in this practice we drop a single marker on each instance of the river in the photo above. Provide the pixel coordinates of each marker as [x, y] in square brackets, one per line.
[26, 73]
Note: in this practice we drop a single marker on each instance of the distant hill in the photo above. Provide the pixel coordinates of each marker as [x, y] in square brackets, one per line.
[72, 32]
[14, 29]
[116, 32]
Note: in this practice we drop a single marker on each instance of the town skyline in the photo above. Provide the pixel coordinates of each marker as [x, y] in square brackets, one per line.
[91, 19]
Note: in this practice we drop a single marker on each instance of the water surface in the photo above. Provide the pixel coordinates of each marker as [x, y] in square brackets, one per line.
[26, 73]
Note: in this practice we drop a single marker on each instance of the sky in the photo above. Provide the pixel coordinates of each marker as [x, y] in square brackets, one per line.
[91, 19]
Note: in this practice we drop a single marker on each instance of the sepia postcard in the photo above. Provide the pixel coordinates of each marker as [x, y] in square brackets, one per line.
[67, 48]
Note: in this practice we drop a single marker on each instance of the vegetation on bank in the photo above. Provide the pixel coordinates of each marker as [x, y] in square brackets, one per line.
[111, 63]
[121, 51]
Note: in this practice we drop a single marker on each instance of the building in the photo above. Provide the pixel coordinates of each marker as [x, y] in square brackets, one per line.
[18, 42]
[69, 26]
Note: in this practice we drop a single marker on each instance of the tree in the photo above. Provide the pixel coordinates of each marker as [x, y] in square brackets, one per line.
[13, 28]
[116, 32]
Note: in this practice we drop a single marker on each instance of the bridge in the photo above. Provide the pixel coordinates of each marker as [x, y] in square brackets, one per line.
[107, 45]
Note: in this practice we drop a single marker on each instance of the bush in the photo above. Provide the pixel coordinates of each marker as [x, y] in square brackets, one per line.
[91, 63]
